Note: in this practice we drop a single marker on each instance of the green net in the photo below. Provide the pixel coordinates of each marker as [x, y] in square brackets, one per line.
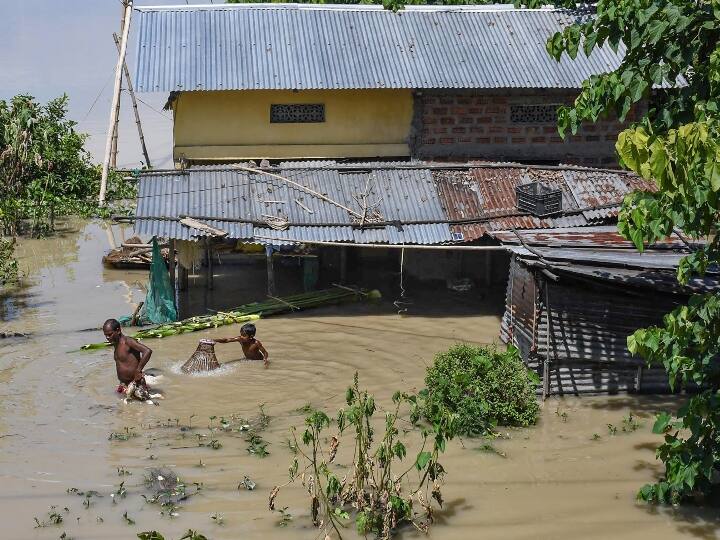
[159, 304]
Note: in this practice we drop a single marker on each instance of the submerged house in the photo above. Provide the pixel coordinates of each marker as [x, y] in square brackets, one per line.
[299, 81]
[338, 126]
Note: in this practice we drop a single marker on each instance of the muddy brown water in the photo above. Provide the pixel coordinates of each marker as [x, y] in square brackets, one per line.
[58, 408]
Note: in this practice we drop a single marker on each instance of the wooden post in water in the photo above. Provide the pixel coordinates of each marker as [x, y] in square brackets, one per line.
[343, 265]
[171, 269]
[209, 258]
[115, 100]
[270, 271]
[131, 91]
[548, 329]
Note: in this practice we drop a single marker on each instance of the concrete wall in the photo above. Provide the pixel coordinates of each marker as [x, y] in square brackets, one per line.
[235, 125]
[478, 125]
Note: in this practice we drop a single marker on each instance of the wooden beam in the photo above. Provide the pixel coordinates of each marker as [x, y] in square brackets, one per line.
[115, 100]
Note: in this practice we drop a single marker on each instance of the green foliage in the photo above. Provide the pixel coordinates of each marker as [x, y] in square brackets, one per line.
[8, 263]
[676, 143]
[375, 492]
[45, 169]
[483, 386]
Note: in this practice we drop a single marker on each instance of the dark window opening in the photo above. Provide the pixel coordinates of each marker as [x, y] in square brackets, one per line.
[297, 113]
[534, 114]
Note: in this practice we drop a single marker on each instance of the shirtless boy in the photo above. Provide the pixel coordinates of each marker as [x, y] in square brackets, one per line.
[252, 348]
[131, 356]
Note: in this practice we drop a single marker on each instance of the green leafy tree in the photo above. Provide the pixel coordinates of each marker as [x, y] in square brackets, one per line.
[44, 167]
[672, 63]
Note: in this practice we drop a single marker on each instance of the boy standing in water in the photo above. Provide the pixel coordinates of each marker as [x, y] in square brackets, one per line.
[252, 348]
[131, 356]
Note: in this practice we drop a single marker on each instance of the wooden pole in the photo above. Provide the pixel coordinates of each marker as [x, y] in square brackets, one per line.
[116, 98]
[131, 91]
[114, 148]
[209, 258]
[270, 271]
[343, 265]
[548, 329]
[171, 269]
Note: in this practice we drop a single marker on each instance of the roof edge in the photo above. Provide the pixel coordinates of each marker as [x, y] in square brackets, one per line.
[345, 7]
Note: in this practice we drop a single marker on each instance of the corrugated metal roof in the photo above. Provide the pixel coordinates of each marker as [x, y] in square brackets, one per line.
[217, 194]
[599, 237]
[301, 46]
[423, 197]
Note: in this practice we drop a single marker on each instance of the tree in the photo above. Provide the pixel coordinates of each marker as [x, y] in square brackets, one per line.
[672, 60]
[44, 167]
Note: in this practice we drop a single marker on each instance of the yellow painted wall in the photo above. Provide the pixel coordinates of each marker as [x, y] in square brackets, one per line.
[231, 125]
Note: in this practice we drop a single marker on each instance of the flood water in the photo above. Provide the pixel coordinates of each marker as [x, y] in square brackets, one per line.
[58, 410]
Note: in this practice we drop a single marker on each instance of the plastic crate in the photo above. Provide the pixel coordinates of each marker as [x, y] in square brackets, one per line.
[538, 199]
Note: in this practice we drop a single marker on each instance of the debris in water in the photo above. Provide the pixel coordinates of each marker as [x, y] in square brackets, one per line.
[247, 484]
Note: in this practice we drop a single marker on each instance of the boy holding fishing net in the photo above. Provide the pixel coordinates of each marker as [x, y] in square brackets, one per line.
[252, 348]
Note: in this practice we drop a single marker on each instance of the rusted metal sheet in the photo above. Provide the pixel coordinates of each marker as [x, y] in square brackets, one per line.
[599, 236]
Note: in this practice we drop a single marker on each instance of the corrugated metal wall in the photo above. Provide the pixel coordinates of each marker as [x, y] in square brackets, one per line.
[589, 327]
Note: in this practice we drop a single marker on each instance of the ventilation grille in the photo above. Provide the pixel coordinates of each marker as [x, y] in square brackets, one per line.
[297, 113]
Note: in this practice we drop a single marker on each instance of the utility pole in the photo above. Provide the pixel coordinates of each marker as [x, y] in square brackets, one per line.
[116, 98]
[134, 104]
[113, 151]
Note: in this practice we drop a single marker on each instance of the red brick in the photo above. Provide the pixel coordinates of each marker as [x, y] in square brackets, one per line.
[483, 120]
[575, 138]
[458, 110]
[592, 138]
[539, 139]
[464, 100]
[496, 129]
[439, 130]
[482, 140]
[428, 141]
[500, 118]
[447, 100]
[500, 140]
[428, 100]
[477, 129]
[555, 140]
[459, 129]
[429, 120]
[514, 130]
[473, 110]
[440, 110]
[518, 140]
[611, 137]
[464, 140]
[466, 120]
[499, 99]
[589, 128]
[447, 140]
[481, 100]
[532, 130]
[495, 109]
[447, 120]
[549, 129]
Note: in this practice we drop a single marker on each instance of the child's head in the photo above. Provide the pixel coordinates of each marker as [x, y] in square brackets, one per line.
[248, 330]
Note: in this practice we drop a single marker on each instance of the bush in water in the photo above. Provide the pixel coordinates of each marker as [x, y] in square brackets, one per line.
[483, 386]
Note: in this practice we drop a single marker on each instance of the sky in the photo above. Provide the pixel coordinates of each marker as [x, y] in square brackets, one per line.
[51, 47]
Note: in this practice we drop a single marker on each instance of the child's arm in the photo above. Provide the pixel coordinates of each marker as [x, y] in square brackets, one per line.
[238, 339]
[263, 351]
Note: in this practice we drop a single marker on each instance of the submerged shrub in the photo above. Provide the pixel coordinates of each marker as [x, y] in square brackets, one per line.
[483, 386]
[8, 263]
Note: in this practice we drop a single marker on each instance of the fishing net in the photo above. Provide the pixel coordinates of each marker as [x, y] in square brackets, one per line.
[203, 359]
[159, 304]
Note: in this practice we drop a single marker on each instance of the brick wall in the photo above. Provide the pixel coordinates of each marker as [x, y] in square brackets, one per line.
[479, 125]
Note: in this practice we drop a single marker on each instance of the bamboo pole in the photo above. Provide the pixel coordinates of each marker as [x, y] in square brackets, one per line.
[115, 100]
[114, 148]
[548, 329]
[131, 91]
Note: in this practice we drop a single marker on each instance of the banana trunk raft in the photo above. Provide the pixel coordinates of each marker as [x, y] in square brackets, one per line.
[250, 312]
